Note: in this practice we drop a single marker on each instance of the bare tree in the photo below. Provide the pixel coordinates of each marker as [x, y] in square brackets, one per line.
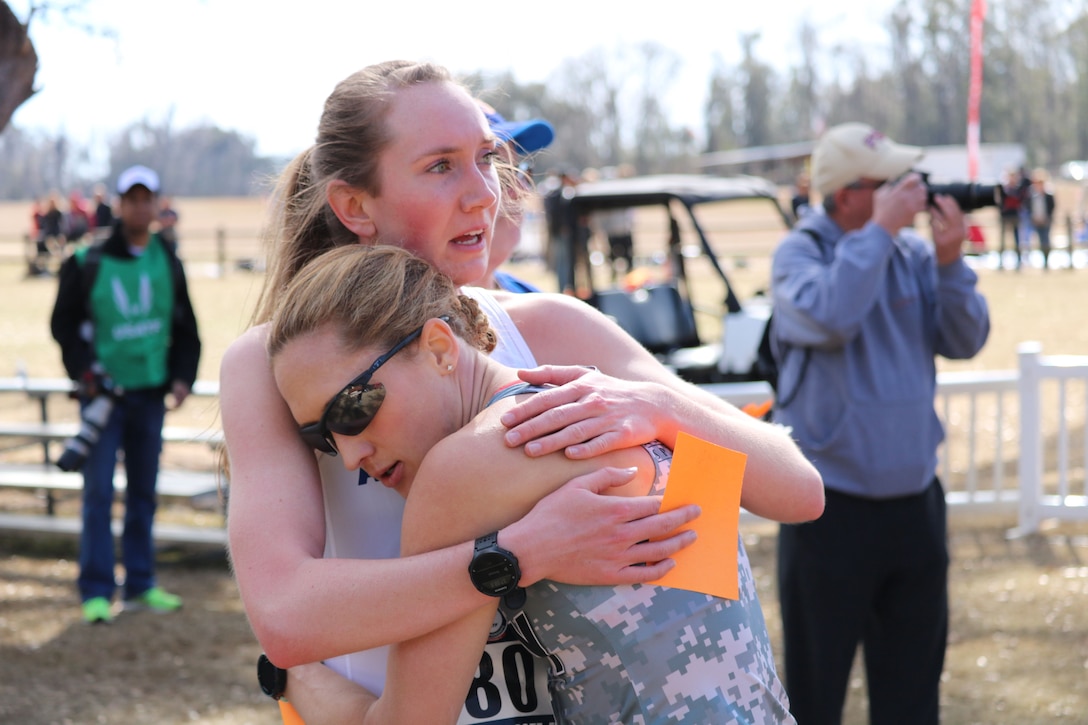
[1077, 44]
[655, 140]
[718, 112]
[800, 112]
[18, 63]
[586, 94]
[757, 81]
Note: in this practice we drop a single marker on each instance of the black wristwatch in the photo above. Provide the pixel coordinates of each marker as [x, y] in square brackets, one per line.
[273, 679]
[494, 570]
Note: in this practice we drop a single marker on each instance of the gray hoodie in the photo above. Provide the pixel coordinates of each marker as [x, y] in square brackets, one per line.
[858, 321]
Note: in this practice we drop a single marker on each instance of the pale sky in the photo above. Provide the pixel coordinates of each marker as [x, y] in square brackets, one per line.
[264, 68]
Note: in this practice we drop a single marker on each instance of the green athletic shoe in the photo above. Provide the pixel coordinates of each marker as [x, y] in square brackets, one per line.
[154, 599]
[97, 609]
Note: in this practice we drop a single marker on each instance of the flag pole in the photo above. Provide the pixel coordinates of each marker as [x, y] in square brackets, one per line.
[974, 94]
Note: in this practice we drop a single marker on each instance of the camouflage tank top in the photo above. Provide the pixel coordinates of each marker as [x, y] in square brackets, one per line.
[646, 654]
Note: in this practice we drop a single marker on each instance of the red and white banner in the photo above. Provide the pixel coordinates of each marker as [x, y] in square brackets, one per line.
[974, 93]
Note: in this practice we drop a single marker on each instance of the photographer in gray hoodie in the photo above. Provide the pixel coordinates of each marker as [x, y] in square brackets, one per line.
[863, 304]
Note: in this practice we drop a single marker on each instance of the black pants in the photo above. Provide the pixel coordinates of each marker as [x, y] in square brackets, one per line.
[621, 246]
[873, 572]
[1010, 223]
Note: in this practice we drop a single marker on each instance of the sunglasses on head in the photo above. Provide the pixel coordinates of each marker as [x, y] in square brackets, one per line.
[352, 409]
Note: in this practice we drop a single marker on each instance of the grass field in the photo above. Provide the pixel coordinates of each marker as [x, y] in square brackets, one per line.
[1018, 648]
[1029, 305]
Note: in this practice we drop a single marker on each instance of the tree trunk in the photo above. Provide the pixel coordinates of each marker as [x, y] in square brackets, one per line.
[18, 64]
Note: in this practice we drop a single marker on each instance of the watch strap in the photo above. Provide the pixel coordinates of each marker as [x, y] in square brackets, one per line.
[487, 541]
[272, 679]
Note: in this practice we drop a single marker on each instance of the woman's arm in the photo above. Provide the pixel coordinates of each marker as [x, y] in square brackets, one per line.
[322, 696]
[649, 402]
[427, 684]
[292, 594]
[469, 485]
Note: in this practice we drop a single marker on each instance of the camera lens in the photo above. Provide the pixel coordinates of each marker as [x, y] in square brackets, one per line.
[968, 195]
[93, 420]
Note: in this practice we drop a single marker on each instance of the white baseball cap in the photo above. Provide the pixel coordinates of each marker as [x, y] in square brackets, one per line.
[137, 176]
[852, 151]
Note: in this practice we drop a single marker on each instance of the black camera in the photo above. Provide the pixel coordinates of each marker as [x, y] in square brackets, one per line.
[968, 195]
[91, 422]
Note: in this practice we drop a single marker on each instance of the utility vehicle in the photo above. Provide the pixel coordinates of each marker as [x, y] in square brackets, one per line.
[656, 301]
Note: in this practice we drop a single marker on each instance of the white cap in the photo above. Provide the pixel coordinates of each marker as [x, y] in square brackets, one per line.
[853, 151]
[137, 176]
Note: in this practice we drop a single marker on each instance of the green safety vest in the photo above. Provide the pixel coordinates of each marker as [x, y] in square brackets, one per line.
[131, 303]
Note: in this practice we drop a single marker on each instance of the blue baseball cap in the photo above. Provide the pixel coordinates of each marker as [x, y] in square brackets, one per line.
[529, 136]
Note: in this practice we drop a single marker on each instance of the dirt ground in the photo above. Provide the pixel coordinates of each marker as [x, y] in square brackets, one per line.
[195, 666]
[1018, 649]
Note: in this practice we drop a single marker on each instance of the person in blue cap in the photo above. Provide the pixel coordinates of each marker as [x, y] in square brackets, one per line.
[521, 139]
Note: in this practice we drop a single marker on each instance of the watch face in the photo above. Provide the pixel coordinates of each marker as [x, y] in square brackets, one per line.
[493, 573]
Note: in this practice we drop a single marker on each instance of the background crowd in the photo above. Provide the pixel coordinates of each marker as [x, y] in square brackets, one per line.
[58, 224]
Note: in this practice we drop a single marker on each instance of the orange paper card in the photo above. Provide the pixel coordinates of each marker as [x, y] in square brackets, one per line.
[290, 714]
[711, 476]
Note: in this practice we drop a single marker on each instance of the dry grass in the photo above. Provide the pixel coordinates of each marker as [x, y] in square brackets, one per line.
[1019, 643]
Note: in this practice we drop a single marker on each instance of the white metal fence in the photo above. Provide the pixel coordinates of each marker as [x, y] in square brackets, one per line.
[1015, 440]
[1053, 393]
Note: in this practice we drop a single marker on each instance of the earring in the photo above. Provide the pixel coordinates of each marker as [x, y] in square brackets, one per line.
[449, 368]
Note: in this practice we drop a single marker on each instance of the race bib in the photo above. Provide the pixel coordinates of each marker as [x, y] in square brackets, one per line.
[510, 686]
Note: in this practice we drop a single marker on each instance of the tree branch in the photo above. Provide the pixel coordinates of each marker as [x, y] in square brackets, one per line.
[18, 64]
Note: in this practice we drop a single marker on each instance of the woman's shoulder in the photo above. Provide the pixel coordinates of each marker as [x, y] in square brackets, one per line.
[247, 350]
[545, 309]
[523, 301]
[477, 457]
[478, 444]
[536, 300]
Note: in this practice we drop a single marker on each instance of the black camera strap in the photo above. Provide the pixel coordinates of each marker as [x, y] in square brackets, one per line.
[88, 273]
[766, 358]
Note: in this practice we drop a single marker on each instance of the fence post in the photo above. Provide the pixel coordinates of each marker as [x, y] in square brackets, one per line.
[1031, 437]
[1071, 237]
[221, 250]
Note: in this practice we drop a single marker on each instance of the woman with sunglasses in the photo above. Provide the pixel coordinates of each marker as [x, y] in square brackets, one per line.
[423, 419]
[404, 155]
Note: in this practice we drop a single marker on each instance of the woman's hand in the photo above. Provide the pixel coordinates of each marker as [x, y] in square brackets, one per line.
[596, 413]
[779, 482]
[577, 535]
[590, 413]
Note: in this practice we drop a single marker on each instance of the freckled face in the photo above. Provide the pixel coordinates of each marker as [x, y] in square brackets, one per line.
[313, 368]
[439, 187]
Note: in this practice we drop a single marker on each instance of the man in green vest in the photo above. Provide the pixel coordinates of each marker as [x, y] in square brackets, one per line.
[127, 331]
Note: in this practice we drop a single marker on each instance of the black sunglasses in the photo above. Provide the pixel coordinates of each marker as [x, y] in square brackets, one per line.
[352, 409]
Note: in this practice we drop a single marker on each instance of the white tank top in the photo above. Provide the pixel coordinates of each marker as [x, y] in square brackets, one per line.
[362, 520]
